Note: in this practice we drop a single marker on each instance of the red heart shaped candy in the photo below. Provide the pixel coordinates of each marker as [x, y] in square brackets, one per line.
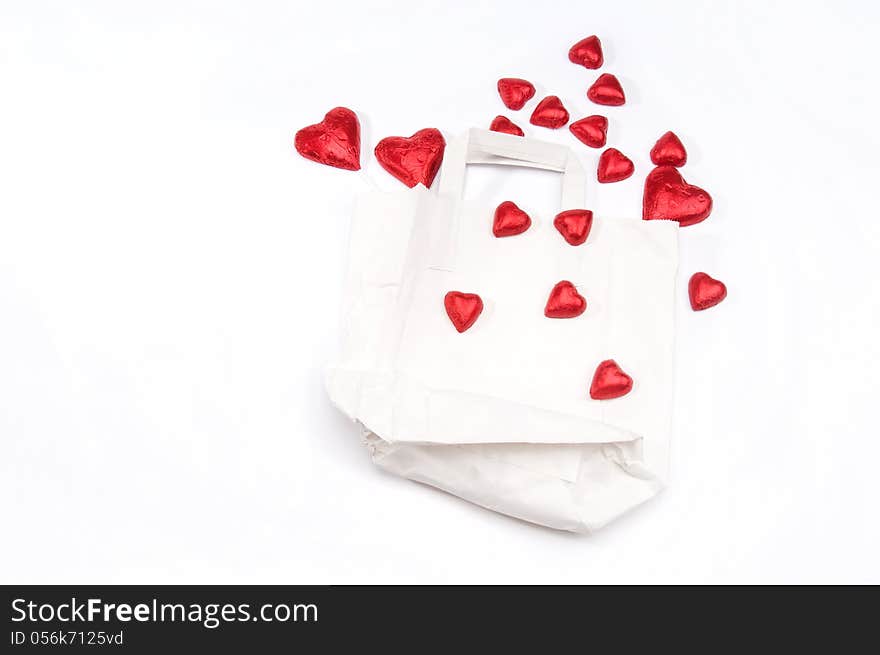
[505, 125]
[668, 197]
[609, 381]
[574, 225]
[587, 52]
[591, 131]
[669, 151]
[514, 92]
[335, 141]
[549, 113]
[606, 91]
[412, 159]
[463, 309]
[705, 291]
[564, 301]
[510, 220]
[614, 166]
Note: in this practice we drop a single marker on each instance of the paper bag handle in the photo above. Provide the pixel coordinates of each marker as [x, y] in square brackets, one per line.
[485, 147]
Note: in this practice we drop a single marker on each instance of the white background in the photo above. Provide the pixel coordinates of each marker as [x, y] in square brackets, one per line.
[170, 276]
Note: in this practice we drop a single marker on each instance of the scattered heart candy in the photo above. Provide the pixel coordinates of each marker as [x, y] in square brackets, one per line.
[515, 92]
[587, 52]
[463, 309]
[412, 159]
[591, 131]
[550, 113]
[614, 166]
[510, 220]
[705, 291]
[505, 125]
[574, 225]
[668, 197]
[335, 141]
[669, 151]
[606, 91]
[609, 381]
[565, 301]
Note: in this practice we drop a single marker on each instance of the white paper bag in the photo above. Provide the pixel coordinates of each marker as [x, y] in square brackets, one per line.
[501, 414]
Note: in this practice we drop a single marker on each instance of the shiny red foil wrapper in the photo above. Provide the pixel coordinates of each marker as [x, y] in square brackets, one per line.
[506, 126]
[510, 220]
[574, 225]
[606, 91]
[550, 112]
[463, 309]
[335, 141]
[591, 131]
[565, 301]
[515, 92]
[705, 291]
[614, 166]
[669, 151]
[609, 381]
[668, 197]
[415, 159]
[587, 53]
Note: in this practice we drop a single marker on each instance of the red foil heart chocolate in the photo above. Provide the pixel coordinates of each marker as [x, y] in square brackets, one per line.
[510, 220]
[505, 125]
[614, 166]
[550, 113]
[668, 197]
[564, 301]
[587, 52]
[591, 131]
[705, 291]
[412, 159]
[514, 92]
[606, 91]
[335, 141]
[574, 225]
[669, 151]
[463, 309]
[609, 381]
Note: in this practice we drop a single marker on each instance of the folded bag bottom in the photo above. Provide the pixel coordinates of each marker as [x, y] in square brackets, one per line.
[518, 479]
[559, 471]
